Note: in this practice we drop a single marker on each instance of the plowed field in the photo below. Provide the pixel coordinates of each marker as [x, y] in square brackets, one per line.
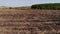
[29, 21]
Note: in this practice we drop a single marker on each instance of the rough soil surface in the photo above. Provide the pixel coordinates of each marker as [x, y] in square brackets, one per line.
[29, 21]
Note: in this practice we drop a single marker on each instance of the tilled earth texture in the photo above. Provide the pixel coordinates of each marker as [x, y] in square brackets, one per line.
[29, 21]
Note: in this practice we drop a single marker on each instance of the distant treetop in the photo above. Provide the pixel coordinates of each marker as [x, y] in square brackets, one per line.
[51, 6]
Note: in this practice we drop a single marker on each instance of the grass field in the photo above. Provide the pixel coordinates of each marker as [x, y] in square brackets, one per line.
[29, 21]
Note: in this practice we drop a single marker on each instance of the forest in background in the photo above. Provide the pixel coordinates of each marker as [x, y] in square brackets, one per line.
[51, 6]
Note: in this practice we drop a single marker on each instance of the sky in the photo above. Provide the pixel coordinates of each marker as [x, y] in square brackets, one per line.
[17, 3]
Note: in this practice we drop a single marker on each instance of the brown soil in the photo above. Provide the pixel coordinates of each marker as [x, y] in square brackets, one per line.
[29, 21]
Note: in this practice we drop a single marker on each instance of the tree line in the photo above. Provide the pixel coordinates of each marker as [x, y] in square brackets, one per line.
[52, 6]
